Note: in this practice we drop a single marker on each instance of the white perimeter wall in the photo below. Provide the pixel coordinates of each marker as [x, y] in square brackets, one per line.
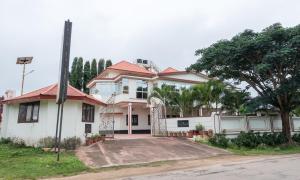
[46, 126]
[207, 122]
[234, 124]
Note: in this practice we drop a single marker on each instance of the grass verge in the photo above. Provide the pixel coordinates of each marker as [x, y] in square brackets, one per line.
[33, 163]
[260, 150]
[281, 150]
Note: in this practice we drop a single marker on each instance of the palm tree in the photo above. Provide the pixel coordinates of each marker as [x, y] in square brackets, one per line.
[184, 101]
[217, 90]
[234, 101]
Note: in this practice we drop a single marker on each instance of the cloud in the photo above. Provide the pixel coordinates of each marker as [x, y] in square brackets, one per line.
[165, 31]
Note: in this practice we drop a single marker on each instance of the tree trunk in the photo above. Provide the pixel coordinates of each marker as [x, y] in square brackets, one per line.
[286, 126]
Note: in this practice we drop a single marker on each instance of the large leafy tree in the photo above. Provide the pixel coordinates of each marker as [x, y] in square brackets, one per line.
[101, 65]
[94, 68]
[73, 74]
[268, 61]
[79, 72]
[86, 76]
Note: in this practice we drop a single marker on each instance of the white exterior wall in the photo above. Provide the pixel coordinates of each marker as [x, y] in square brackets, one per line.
[190, 76]
[46, 125]
[120, 119]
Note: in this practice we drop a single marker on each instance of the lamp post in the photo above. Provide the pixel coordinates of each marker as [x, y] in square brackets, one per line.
[24, 61]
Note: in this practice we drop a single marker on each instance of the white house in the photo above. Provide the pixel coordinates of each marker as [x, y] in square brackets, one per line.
[32, 116]
[127, 85]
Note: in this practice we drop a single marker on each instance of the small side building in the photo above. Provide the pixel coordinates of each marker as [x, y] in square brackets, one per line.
[33, 115]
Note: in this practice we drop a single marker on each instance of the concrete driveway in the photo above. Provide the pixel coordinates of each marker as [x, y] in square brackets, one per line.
[134, 151]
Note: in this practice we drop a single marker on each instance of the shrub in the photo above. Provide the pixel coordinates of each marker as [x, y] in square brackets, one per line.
[18, 142]
[273, 139]
[296, 138]
[71, 143]
[199, 127]
[248, 140]
[47, 142]
[219, 140]
[5, 140]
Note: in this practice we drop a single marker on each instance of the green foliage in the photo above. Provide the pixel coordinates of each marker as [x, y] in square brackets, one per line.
[253, 140]
[86, 76]
[108, 63]
[33, 163]
[5, 140]
[235, 101]
[73, 74]
[101, 65]
[208, 93]
[79, 72]
[219, 140]
[94, 71]
[47, 142]
[200, 127]
[71, 143]
[183, 100]
[296, 137]
[267, 61]
[249, 139]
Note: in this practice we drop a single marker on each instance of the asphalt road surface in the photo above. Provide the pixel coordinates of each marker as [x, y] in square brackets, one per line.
[270, 168]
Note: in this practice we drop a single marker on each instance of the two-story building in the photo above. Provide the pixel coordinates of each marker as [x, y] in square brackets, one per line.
[127, 86]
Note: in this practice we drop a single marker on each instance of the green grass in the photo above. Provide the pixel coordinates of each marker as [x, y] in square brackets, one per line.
[32, 163]
[261, 150]
[293, 149]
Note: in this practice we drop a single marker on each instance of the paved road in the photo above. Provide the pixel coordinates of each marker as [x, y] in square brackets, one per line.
[272, 168]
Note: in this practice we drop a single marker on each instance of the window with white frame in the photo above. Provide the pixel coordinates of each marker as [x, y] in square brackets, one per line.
[122, 86]
[29, 112]
[142, 89]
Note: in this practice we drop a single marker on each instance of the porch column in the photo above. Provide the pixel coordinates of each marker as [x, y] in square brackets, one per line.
[129, 118]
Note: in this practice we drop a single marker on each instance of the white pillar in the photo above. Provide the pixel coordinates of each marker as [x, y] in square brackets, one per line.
[129, 118]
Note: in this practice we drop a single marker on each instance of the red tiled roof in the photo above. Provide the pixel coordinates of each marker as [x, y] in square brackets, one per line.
[127, 66]
[169, 70]
[49, 92]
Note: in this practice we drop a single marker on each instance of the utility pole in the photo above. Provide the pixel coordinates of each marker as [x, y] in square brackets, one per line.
[24, 61]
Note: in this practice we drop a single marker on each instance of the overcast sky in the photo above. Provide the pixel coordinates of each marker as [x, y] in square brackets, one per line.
[165, 31]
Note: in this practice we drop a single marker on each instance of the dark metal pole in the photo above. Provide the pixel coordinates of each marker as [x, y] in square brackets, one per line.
[56, 132]
[60, 127]
[23, 77]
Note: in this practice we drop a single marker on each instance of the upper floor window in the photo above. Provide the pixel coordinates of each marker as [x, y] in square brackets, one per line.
[122, 86]
[88, 113]
[142, 89]
[125, 86]
[29, 112]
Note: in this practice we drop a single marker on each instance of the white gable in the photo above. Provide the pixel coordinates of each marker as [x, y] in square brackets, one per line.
[189, 77]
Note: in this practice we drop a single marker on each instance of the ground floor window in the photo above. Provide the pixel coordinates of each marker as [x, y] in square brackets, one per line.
[29, 112]
[88, 128]
[88, 113]
[134, 120]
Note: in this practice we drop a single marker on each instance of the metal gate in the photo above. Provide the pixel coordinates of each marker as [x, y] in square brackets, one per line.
[158, 118]
[107, 118]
